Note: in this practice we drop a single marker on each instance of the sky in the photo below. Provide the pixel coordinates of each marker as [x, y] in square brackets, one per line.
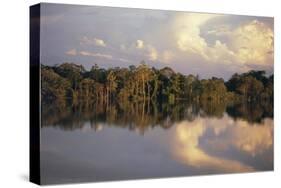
[190, 43]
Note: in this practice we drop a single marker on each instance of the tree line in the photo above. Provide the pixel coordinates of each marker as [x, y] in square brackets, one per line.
[69, 81]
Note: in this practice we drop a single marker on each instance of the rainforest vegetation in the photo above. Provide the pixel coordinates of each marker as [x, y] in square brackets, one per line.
[142, 97]
[71, 82]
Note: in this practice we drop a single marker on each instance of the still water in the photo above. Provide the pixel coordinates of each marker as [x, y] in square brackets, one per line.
[94, 142]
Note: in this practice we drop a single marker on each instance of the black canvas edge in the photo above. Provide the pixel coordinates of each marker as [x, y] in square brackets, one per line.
[34, 96]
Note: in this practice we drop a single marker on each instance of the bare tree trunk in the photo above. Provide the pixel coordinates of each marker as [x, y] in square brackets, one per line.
[143, 87]
[155, 89]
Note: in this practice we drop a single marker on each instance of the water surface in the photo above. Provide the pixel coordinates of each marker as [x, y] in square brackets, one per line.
[93, 142]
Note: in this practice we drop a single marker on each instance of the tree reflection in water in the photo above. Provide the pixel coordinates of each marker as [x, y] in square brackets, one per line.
[208, 137]
[142, 116]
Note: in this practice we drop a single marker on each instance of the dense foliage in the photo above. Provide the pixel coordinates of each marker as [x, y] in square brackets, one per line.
[69, 81]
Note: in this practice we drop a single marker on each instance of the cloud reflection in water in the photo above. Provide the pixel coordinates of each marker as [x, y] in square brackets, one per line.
[220, 134]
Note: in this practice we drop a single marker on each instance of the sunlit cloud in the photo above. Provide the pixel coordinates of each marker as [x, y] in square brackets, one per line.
[152, 53]
[100, 55]
[253, 43]
[187, 32]
[139, 44]
[92, 41]
[220, 53]
[167, 56]
[147, 50]
[99, 42]
[185, 41]
[189, 39]
[103, 56]
[124, 60]
[249, 43]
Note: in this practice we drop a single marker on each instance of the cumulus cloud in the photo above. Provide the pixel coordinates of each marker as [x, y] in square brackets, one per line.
[253, 43]
[147, 50]
[99, 42]
[240, 47]
[151, 52]
[247, 44]
[187, 31]
[222, 44]
[92, 41]
[220, 53]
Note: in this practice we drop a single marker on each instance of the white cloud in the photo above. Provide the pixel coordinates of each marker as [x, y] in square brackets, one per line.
[139, 44]
[147, 49]
[86, 53]
[123, 47]
[92, 41]
[71, 52]
[124, 60]
[103, 56]
[187, 29]
[152, 53]
[167, 56]
[253, 43]
[220, 52]
[99, 42]
[247, 44]
[189, 39]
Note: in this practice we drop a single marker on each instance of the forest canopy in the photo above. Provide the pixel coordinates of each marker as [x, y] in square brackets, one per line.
[69, 81]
